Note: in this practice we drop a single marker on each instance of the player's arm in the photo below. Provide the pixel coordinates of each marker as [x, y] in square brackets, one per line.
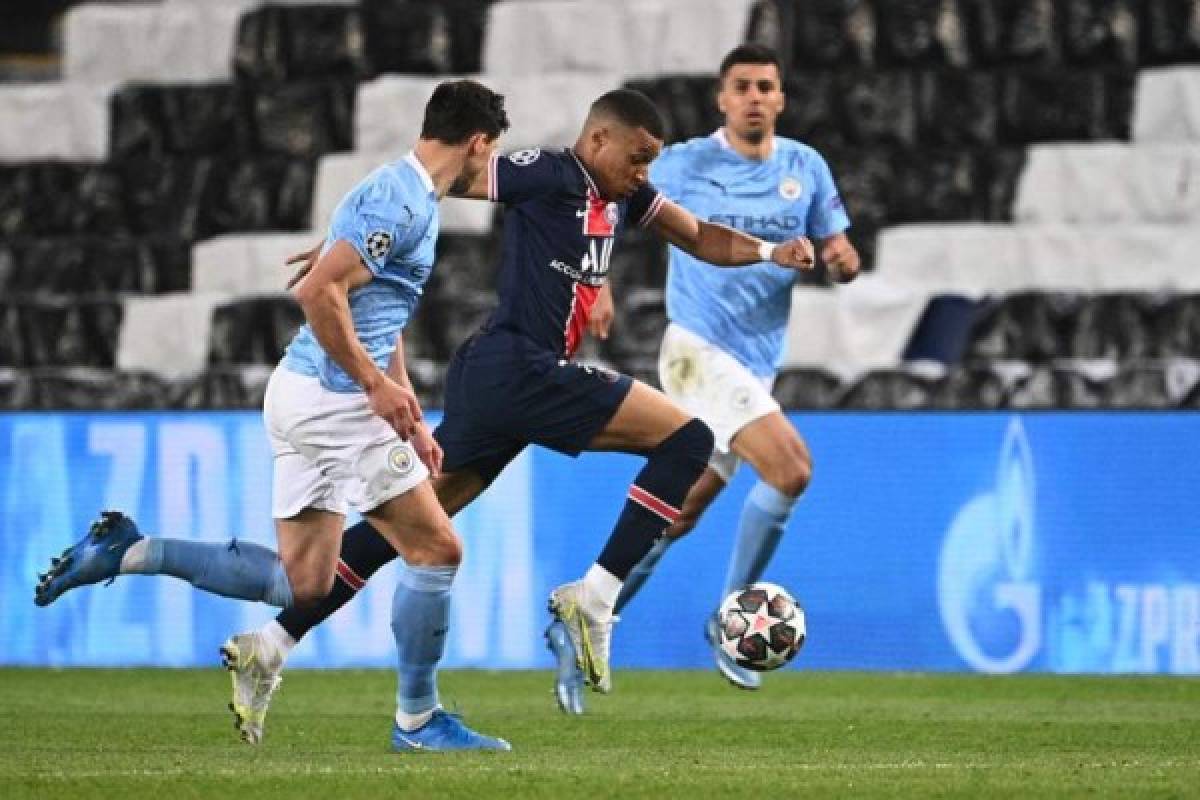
[724, 246]
[428, 450]
[840, 257]
[602, 312]
[324, 295]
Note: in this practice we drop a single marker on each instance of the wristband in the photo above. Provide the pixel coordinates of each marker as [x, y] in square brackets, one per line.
[765, 250]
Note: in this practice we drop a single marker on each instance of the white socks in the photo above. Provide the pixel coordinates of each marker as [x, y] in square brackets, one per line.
[410, 722]
[601, 590]
[278, 642]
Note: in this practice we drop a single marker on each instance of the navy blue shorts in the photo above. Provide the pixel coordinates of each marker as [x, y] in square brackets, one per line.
[503, 393]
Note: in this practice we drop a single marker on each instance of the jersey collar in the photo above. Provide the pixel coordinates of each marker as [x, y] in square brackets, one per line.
[415, 163]
[586, 174]
[723, 140]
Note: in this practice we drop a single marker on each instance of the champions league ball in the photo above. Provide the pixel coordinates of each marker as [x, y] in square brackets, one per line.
[760, 627]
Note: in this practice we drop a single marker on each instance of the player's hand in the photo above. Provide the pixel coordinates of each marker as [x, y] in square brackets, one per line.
[795, 254]
[428, 450]
[307, 260]
[841, 259]
[602, 313]
[397, 405]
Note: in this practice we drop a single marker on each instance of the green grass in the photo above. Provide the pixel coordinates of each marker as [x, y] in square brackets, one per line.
[165, 734]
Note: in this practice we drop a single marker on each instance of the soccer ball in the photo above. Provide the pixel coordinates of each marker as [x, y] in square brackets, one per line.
[760, 626]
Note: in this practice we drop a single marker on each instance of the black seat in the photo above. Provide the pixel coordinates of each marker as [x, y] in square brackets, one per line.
[1027, 326]
[218, 388]
[882, 389]
[84, 388]
[807, 388]
[287, 43]
[429, 38]
[921, 33]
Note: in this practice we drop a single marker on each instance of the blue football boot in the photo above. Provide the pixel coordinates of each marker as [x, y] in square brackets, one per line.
[568, 677]
[96, 557]
[740, 677]
[444, 731]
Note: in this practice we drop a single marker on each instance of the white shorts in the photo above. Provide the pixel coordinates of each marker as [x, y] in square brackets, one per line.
[331, 449]
[714, 386]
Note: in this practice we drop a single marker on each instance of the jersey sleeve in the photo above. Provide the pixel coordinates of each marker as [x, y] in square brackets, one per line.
[644, 204]
[377, 224]
[519, 176]
[826, 215]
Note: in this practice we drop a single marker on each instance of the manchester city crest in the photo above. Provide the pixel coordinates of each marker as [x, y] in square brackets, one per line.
[400, 460]
[790, 188]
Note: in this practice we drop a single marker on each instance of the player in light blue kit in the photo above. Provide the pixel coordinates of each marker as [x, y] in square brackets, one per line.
[346, 429]
[724, 342]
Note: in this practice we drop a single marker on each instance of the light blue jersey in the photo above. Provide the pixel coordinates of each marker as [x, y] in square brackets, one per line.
[744, 310]
[391, 219]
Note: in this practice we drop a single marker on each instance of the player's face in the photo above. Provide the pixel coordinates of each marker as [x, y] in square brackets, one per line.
[751, 98]
[621, 163]
[479, 152]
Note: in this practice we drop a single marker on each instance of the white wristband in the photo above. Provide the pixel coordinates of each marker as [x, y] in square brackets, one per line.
[765, 250]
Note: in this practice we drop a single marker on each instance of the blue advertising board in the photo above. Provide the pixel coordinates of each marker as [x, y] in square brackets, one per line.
[995, 542]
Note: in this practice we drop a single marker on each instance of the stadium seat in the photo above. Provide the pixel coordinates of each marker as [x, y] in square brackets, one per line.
[1168, 106]
[1014, 32]
[446, 319]
[941, 185]
[167, 334]
[807, 389]
[181, 120]
[531, 37]
[90, 388]
[1153, 384]
[303, 119]
[1177, 326]
[1114, 326]
[49, 198]
[414, 37]
[639, 321]
[289, 43]
[1048, 105]
[53, 121]
[972, 386]
[834, 34]
[921, 33]
[1026, 326]
[230, 387]
[1110, 183]
[51, 331]
[899, 388]
[94, 264]
[878, 107]
[16, 387]
[1168, 32]
[253, 330]
[1101, 33]
[957, 108]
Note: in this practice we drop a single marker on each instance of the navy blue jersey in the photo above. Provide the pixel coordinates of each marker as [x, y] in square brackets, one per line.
[558, 237]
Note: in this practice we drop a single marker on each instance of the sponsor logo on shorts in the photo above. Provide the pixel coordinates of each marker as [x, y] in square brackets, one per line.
[400, 460]
[740, 399]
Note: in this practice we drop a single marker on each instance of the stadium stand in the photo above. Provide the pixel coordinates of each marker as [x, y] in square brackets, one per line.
[1019, 173]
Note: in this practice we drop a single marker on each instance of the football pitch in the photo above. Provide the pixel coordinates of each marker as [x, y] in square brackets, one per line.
[165, 734]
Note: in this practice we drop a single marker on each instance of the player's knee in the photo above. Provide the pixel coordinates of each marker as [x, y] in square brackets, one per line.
[793, 474]
[437, 545]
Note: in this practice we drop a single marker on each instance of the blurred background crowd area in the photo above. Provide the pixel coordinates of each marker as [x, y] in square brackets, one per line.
[1021, 175]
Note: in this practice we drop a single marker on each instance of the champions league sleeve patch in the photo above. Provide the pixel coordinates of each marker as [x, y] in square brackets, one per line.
[379, 244]
[523, 158]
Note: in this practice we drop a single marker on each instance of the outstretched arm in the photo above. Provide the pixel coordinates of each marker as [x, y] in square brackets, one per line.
[724, 246]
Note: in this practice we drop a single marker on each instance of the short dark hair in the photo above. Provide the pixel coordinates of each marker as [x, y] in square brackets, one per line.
[751, 54]
[631, 107]
[458, 110]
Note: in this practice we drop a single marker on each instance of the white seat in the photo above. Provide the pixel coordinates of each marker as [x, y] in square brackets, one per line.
[1110, 183]
[862, 325]
[54, 121]
[166, 334]
[634, 37]
[160, 43]
[247, 263]
[975, 259]
[1166, 105]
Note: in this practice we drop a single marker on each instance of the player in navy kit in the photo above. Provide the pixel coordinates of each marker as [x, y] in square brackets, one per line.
[513, 384]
